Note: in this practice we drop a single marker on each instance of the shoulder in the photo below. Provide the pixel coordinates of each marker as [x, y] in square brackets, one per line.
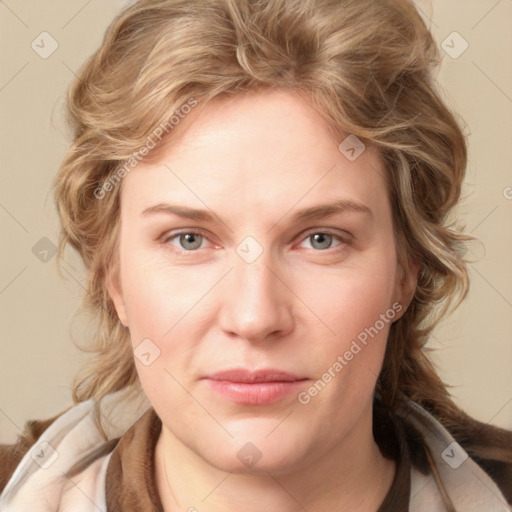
[11, 454]
[490, 447]
[487, 449]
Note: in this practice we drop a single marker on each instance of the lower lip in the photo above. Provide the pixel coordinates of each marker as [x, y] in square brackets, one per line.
[257, 393]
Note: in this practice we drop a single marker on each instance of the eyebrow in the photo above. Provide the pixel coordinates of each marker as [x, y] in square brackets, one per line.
[312, 213]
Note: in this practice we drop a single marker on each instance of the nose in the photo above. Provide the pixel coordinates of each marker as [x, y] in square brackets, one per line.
[256, 302]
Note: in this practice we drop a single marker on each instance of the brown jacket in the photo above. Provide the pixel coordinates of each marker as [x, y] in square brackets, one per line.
[129, 485]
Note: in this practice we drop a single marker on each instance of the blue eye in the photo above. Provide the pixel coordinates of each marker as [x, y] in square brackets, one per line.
[191, 241]
[323, 241]
[188, 241]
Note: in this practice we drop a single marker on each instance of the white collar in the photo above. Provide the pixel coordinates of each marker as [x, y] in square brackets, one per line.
[39, 482]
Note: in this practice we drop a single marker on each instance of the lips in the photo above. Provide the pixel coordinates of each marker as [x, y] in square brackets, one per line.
[250, 377]
[257, 387]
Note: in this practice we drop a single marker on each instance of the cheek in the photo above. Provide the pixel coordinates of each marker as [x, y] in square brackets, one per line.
[355, 306]
[167, 310]
[157, 301]
[347, 300]
[157, 296]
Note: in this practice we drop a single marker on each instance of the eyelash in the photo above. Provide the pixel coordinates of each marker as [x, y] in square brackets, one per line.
[344, 241]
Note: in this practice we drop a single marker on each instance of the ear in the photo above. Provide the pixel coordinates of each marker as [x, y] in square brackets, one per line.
[406, 282]
[116, 295]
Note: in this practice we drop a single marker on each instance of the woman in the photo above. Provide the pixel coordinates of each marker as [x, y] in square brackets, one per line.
[260, 193]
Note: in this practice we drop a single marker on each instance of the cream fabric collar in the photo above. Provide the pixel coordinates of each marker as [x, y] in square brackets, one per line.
[39, 482]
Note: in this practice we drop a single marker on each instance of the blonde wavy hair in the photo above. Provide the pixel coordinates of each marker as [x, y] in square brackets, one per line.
[367, 66]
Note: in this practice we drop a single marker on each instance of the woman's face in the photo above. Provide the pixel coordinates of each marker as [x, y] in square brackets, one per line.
[259, 336]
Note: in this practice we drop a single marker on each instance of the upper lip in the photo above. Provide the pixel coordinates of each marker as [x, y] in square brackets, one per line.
[253, 376]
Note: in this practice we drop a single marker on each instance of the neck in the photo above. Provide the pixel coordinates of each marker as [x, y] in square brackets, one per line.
[353, 475]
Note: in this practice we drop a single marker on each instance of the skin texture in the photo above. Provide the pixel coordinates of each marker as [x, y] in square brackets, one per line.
[253, 162]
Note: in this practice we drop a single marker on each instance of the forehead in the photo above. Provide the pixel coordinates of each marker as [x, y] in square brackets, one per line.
[258, 150]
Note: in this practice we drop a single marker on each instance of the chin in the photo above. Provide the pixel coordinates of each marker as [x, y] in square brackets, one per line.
[260, 448]
[251, 460]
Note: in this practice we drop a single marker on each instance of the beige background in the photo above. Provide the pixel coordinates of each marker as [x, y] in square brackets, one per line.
[37, 355]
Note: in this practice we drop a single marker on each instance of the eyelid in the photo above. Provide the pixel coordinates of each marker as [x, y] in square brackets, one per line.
[169, 235]
[342, 234]
[172, 233]
[345, 237]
